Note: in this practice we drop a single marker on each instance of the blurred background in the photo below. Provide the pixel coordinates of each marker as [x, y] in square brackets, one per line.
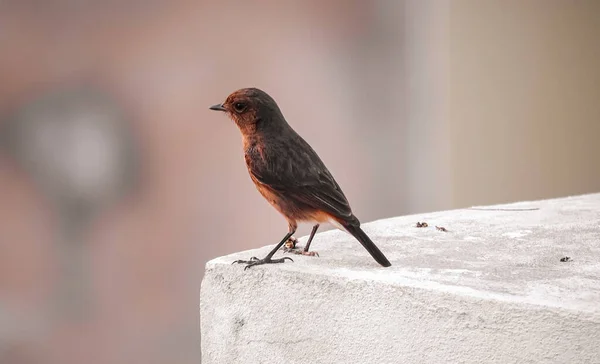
[117, 183]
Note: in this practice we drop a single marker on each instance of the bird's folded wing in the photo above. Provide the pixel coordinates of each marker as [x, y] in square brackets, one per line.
[318, 190]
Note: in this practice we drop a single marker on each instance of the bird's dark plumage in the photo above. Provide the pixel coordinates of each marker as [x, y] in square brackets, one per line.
[287, 171]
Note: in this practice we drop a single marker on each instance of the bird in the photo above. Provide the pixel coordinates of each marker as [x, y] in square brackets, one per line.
[289, 174]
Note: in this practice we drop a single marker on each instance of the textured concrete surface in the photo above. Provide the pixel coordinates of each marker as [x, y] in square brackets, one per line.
[492, 289]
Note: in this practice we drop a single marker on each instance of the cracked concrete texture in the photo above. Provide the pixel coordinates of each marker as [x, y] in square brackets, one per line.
[492, 289]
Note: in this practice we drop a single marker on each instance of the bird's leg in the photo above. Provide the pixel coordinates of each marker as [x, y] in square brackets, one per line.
[310, 238]
[304, 251]
[267, 260]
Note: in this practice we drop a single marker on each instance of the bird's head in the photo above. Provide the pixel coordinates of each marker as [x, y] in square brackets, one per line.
[251, 109]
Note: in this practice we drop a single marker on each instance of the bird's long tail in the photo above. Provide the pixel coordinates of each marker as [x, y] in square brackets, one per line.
[366, 242]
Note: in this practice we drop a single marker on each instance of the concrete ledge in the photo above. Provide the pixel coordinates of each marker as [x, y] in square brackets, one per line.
[492, 289]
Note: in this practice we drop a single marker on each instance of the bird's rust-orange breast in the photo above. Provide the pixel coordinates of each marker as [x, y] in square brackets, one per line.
[289, 207]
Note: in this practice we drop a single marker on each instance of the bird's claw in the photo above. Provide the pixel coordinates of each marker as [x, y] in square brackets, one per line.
[255, 261]
[245, 261]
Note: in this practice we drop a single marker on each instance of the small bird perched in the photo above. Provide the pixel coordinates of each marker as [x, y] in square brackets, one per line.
[288, 173]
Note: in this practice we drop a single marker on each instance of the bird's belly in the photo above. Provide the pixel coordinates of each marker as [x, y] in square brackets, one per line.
[291, 209]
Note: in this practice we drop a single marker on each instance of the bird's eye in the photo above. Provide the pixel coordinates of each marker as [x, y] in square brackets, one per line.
[239, 106]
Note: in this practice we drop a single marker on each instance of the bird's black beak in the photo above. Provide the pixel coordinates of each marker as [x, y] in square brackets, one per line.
[218, 107]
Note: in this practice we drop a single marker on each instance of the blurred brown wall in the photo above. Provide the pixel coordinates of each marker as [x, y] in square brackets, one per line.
[524, 92]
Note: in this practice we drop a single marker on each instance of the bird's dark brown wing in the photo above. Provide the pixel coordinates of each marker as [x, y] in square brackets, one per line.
[298, 174]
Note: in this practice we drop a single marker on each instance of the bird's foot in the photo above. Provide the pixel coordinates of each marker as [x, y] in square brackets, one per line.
[246, 261]
[255, 261]
[290, 243]
[300, 251]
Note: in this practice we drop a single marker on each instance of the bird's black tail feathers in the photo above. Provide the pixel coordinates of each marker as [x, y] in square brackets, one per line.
[366, 242]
